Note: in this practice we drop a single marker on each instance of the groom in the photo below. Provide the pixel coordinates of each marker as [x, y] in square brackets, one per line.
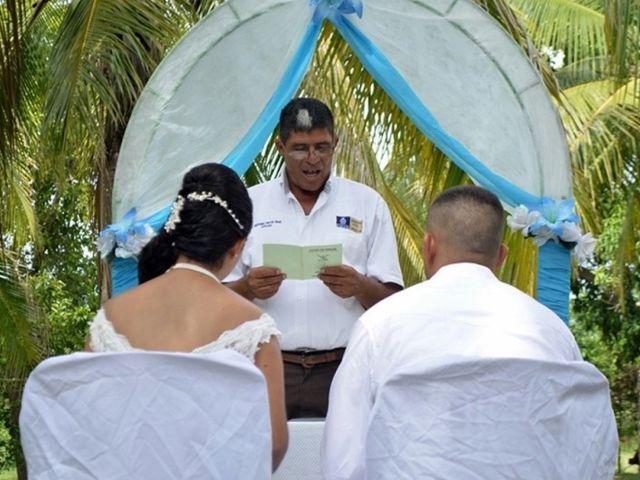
[462, 310]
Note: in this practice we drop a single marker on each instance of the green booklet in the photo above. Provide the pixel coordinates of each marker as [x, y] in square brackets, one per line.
[301, 263]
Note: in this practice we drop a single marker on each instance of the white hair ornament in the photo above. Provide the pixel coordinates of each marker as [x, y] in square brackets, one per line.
[178, 205]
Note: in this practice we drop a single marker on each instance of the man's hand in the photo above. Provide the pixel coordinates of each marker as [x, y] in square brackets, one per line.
[342, 280]
[264, 282]
[346, 282]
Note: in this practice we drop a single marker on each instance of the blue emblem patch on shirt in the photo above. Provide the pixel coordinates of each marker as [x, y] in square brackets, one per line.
[343, 222]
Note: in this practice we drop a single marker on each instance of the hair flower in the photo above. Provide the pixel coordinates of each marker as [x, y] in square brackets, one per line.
[553, 220]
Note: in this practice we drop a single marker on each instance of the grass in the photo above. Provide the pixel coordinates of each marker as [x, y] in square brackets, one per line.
[8, 475]
[627, 472]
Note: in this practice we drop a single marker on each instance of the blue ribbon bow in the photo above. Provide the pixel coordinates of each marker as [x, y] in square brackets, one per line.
[119, 234]
[333, 9]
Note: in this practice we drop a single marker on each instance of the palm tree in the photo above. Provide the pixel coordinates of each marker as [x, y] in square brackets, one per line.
[21, 65]
[61, 118]
[600, 102]
[21, 343]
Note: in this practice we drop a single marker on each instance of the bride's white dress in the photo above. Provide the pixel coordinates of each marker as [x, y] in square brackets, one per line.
[245, 338]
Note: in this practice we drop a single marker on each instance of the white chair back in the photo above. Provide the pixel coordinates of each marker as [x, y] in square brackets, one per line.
[493, 419]
[302, 461]
[146, 415]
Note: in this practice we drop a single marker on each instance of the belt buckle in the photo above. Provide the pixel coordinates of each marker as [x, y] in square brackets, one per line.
[304, 354]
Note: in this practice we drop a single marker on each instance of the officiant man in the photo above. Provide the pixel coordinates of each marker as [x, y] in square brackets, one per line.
[307, 205]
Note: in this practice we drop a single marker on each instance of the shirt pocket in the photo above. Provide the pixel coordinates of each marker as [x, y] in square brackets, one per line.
[354, 249]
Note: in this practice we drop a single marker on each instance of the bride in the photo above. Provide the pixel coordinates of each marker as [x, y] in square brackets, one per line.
[181, 305]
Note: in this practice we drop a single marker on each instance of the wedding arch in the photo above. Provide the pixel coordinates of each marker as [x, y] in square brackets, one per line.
[448, 65]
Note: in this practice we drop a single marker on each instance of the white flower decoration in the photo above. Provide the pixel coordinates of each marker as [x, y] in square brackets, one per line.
[522, 219]
[570, 232]
[553, 220]
[106, 242]
[583, 250]
[543, 235]
[128, 237]
[556, 61]
[135, 243]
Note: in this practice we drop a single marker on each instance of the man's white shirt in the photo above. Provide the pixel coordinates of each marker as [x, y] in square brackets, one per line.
[307, 313]
[464, 310]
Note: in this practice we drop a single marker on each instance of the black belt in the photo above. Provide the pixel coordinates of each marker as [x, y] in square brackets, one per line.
[309, 358]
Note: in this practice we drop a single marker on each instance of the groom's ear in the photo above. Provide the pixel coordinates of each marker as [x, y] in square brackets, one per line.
[502, 256]
[429, 247]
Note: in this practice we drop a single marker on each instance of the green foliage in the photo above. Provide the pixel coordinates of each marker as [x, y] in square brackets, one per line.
[6, 448]
[65, 268]
[607, 329]
[62, 282]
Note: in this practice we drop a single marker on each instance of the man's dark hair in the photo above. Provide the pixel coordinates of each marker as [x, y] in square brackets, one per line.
[469, 220]
[304, 114]
[206, 231]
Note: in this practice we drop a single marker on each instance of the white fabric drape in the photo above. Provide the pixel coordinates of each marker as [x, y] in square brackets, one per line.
[484, 418]
[146, 416]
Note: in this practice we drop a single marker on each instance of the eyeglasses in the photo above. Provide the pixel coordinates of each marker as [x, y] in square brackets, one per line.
[303, 152]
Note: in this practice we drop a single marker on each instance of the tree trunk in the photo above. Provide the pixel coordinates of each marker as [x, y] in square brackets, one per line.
[113, 135]
[103, 197]
[13, 392]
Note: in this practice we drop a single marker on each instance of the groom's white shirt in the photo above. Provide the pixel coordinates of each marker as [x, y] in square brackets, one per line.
[464, 310]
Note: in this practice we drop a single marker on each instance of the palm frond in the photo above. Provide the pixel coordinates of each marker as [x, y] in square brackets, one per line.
[603, 128]
[18, 345]
[628, 242]
[575, 26]
[103, 54]
[23, 52]
[623, 32]
[13, 21]
[521, 265]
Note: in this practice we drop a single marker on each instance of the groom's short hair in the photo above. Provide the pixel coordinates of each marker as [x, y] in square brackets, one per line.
[468, 219]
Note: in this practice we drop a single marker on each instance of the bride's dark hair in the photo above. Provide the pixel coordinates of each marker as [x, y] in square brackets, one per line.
[206, 230]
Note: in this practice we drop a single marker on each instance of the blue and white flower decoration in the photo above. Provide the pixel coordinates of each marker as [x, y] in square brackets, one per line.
[551, 220]
[128, 237]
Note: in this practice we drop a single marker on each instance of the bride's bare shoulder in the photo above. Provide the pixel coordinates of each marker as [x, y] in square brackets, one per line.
[134, 299]
[244, 307]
